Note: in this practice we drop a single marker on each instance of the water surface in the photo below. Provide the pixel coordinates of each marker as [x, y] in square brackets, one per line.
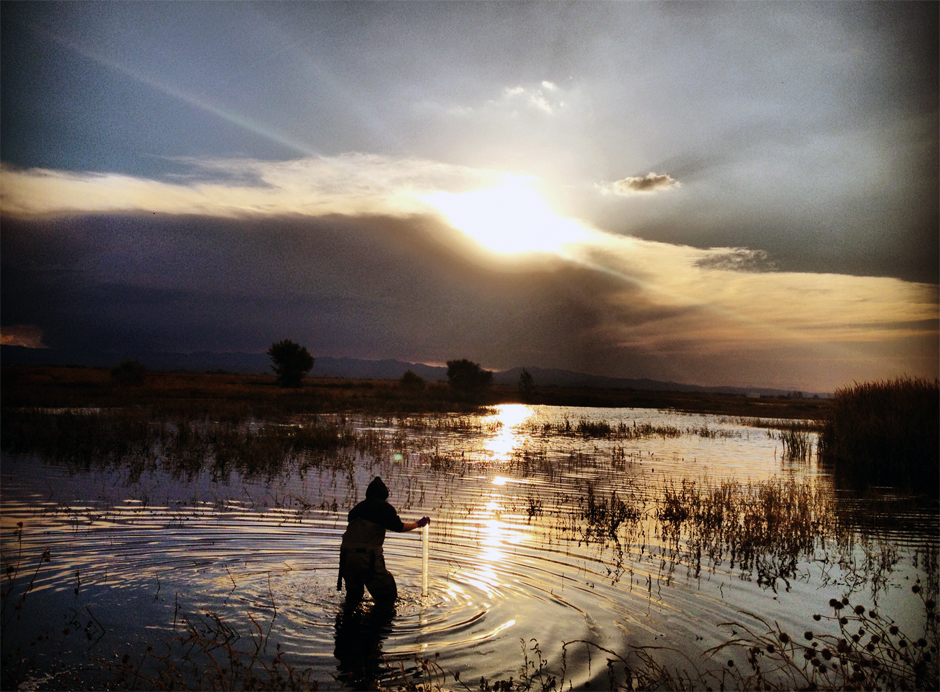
[515, 558]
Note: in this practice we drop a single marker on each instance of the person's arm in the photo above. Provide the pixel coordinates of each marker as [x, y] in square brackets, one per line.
[412, 525]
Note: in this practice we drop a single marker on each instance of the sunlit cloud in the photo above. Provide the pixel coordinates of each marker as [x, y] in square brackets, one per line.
[718, 303]
[631, 185]
[317, 186]
[547, 98]
[26, 335]
[538, 98]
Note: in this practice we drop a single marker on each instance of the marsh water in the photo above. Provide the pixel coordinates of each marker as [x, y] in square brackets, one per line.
[544, 532]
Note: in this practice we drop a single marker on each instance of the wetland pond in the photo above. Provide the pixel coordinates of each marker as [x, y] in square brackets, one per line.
[557, 533]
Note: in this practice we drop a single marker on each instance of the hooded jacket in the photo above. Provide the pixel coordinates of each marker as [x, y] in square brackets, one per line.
[376, 510]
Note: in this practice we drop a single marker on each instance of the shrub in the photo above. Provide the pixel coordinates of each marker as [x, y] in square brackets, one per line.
[467, 376]
[291, 362]
[129, 373]
[411, 380]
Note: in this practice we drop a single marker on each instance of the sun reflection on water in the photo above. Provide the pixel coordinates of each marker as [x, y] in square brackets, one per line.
[507, 419]
[496, 535]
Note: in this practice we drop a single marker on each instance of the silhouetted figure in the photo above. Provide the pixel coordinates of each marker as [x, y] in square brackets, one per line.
[361, 560]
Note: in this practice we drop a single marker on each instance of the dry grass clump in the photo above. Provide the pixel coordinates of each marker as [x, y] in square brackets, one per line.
[885, 433]
[869, 652]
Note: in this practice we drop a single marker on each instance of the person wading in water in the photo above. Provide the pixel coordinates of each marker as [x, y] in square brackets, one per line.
[361, 561]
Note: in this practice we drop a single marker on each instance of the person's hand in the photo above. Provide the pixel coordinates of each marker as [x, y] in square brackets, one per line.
[423, 521]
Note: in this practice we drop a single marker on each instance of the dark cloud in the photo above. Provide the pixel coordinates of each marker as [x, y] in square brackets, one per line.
[740, 260]
[366, 287]
[651, 182]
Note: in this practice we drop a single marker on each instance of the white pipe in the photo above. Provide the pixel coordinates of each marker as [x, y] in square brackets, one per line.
[424, 560]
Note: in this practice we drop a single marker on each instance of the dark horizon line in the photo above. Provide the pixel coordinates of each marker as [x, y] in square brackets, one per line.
[347, 367]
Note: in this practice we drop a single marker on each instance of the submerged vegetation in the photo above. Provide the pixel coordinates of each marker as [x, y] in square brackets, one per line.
[885, 433]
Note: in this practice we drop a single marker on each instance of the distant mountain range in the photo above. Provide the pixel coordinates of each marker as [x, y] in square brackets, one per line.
[351, 368]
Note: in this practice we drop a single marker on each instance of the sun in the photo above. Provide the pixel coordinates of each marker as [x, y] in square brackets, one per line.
[509, 219]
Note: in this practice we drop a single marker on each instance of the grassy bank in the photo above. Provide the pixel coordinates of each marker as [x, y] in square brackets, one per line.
[234, 396]
[885, 433]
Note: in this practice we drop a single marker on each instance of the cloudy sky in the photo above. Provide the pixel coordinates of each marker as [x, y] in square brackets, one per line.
[711, 193]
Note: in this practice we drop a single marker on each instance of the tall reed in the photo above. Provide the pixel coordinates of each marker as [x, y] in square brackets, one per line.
[885, 433]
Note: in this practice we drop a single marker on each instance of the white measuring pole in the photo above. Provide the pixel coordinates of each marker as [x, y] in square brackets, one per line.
[424, 560]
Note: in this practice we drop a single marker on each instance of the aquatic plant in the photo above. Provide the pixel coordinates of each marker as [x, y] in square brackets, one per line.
[885, 433]
[604, 515]
[797, 443]
[869, 652]
[602, 429]
[763, 527]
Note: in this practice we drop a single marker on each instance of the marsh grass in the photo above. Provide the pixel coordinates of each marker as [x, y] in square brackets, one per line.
[602, 429]
[797, 444]
[764, 527]
[184, 446]
[855, 648]
[604, 514]
[86, 437]
[862, 650]
[210, 654]
[885, 433]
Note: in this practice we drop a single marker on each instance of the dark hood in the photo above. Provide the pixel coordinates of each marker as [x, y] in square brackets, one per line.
[377, 490]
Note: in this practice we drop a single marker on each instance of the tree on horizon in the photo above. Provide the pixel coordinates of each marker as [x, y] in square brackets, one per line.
[466, 376]
[290, 362]
[129, 373]
[411, 380]
[526, 383]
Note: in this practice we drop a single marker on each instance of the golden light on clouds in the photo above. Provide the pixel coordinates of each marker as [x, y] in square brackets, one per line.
[644, 184]
[26, 335]
[355, 184]
[709, 299]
